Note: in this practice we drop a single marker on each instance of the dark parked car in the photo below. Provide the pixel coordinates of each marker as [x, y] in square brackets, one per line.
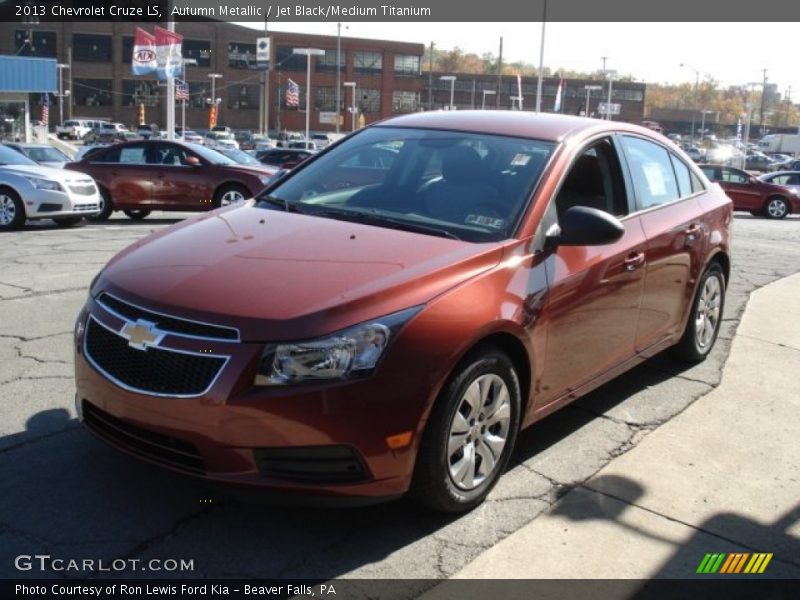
[139, 177]
[282, 157]
[359, 341]
[749, 193]
[759, 162]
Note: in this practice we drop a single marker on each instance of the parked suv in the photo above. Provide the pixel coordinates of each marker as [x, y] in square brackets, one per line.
[367, 328]
[139, 177]
[759, 198]
[76, 129]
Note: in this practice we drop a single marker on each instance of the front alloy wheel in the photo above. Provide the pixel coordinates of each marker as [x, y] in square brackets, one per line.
[12, 212]
[776, 208]
[470, 434]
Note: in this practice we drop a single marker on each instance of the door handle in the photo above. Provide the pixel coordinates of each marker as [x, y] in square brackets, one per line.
[693, 233]
[634, 261]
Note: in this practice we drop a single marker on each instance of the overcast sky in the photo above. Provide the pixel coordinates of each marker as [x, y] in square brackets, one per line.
[733, 53]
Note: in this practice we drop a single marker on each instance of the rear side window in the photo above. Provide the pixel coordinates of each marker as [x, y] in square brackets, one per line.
[683, 177]
[652, 172]
[733, 176]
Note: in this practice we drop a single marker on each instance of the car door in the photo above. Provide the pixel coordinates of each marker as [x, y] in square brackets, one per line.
[176, 184]
[740, 188]
[123, 170]
[665, 191]
[594, 291]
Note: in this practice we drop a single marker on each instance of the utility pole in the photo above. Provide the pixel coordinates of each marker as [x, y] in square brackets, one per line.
[763, 97]
[499, 73]
[430, 82]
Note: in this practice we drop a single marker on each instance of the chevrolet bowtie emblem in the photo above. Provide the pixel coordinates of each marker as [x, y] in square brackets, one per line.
[141, 334]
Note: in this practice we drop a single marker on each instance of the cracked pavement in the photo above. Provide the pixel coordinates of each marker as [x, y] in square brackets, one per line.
[68, 495]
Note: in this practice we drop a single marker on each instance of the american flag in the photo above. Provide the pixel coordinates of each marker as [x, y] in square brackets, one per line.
[292, 94]
[46, 109]
[181, 90]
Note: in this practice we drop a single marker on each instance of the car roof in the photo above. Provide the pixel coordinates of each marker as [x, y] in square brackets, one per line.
[553, 127]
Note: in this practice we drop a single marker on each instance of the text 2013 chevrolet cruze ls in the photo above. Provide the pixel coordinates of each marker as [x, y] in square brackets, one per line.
[366, 328]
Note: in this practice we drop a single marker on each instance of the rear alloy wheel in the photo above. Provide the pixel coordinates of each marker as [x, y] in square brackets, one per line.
[12, 211]
[67, 221]
[776, 208]
[703, 325]
[106, 207]
[470, 435]
[230, 194]
[137, 215]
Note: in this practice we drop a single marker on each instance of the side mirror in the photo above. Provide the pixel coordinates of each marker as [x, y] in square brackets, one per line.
[584, 226]
[192, 161]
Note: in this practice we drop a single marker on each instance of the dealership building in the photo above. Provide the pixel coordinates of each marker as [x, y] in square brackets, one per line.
[379, 78]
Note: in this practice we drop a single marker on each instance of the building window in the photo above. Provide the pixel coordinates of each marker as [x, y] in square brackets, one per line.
[242, 56]
[287, 60]
[405, 64]
[91, 92]
[632, 95]
[127, 49]
[91, 48]
[405, 102]
[325, 98]
[368, 62]
[41, 43]
[200, 50]
[327, 62]
[369, 101]
[244, 97]
[137, 91]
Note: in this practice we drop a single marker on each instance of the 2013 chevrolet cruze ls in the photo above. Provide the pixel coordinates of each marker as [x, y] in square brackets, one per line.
[387, 317]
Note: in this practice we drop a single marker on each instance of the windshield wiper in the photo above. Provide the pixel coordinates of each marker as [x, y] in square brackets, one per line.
[281, 203]
[378, 219]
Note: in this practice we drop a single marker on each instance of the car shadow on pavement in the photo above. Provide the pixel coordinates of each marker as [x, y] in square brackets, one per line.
[71, 495]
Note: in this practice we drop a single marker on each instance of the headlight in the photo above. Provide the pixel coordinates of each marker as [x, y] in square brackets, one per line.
[351, 352]
[45, 184]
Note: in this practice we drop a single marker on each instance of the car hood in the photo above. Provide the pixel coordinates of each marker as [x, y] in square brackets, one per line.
[280, 276]
[60, 175]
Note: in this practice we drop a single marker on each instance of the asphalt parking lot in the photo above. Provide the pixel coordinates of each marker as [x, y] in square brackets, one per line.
[68, 495]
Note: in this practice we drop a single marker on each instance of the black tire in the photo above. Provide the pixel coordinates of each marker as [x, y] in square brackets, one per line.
[137, 215]
[67, 221]
[776, 208]
[106, 207]
[438, 482]
[695, 345]
[227, 193]
[757, 213]
[12, 210]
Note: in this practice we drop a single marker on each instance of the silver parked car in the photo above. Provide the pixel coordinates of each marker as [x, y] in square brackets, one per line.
[44, 154]
[30, 191]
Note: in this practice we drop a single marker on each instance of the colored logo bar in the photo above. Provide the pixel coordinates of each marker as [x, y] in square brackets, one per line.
[734, 563]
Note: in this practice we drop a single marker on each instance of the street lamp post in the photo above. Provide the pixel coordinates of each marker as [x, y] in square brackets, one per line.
[452, 80]
[214, 102]
[352, 84]
[61, 67]
[611, 73]
[308, 53]
[483, 102]
[696, 85]
[338, 72]
[749, 106]
[703, 114]
[589, 89]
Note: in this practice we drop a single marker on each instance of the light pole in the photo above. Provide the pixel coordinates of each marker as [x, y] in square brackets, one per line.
[352, 84]
[589, 89]
[338, 72]
[452, 80]
[703, 114]
[214, 110]
[61, 67]
[610, 73]
[541, 65]
[308, 53]
[749, 107]
[696, 85]
[483, 102]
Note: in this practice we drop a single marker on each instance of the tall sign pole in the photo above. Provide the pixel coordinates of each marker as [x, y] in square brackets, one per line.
[170, 82]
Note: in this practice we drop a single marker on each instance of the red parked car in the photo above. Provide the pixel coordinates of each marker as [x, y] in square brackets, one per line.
[750, 193]
[361, 336]
[142, 176]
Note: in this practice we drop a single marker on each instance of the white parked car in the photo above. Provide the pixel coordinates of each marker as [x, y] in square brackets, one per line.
[76, 129]
[31, 191]
[219, 139]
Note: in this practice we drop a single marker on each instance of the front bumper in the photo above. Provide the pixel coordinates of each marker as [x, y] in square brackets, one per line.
[325, 440]
[44, 204]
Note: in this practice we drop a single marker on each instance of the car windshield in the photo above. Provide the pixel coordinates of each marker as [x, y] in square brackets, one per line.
[240, 156]
[212, 156]
[12, 157]
[467, 186]
[46, 154]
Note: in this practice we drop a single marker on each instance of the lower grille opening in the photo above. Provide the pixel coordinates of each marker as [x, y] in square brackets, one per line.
[165, 449]
[320, 464]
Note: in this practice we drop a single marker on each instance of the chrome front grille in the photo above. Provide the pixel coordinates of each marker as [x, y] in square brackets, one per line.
[83, 189]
